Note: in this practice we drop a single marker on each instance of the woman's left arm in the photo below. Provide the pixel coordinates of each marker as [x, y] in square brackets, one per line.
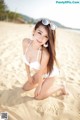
[43, 67]
[42, 71]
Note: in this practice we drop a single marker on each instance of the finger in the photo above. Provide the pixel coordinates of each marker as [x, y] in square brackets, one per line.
[35, 93]
[38, 92]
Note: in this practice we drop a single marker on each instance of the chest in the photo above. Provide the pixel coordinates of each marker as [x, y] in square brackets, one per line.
[33, 55]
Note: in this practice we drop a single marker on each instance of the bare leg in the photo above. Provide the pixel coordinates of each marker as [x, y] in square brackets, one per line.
[49, 87]
[30, 84]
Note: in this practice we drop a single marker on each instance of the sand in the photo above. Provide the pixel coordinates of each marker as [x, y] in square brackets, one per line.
[21, 105]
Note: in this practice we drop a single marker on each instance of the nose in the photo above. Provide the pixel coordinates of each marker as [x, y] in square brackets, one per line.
[41, 38]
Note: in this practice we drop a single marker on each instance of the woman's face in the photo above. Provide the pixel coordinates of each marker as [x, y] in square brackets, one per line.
[40, 35]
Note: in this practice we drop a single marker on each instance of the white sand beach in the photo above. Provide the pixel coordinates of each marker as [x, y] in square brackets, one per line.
[20, 104]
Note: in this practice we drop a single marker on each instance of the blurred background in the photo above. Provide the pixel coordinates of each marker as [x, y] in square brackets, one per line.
[29, 11]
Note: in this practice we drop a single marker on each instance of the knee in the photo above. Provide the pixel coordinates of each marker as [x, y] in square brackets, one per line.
[41, 97]
[24, 87]
[38, 97]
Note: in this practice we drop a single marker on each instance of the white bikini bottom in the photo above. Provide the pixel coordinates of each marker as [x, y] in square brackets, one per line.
[54, 72]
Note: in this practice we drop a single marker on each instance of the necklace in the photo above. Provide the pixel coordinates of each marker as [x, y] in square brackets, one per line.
[34, 46]
[32, 53]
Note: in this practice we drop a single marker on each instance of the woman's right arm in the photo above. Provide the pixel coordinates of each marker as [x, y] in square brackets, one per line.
[28, 71]
[25, 44]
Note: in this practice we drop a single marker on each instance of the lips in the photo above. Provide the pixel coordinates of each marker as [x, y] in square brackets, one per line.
[39, 41]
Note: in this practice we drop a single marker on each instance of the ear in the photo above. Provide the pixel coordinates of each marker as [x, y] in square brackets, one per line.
[33, 31]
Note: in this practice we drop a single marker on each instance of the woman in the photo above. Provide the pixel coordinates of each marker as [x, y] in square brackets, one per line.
[40, 55]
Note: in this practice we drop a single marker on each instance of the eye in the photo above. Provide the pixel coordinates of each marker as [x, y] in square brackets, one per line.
[46, 37]
[39, 33]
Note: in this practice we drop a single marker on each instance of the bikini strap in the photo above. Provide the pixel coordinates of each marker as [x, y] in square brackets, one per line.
[38, 53]
[38, 50]
[28, 46]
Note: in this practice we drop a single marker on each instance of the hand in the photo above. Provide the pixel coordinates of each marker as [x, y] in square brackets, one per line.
[30, 80]
[37, 91]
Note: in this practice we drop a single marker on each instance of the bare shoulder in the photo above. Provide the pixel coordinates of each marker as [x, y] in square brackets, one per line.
[25, 43]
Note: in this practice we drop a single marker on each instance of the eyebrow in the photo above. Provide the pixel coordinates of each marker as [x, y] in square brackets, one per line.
[42, 32]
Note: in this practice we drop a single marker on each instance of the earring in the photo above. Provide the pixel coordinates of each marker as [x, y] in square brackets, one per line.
[45, 45]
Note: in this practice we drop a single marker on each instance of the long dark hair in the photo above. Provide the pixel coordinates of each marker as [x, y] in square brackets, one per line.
[51, 45]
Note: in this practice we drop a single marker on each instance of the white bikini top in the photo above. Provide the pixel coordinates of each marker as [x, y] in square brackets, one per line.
[35, 64]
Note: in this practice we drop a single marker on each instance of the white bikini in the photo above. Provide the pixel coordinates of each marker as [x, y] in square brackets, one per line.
[36, 65]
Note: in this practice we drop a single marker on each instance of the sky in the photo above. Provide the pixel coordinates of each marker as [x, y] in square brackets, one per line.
[67, 14]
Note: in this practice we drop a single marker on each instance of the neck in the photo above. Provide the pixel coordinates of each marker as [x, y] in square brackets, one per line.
[35, 45]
